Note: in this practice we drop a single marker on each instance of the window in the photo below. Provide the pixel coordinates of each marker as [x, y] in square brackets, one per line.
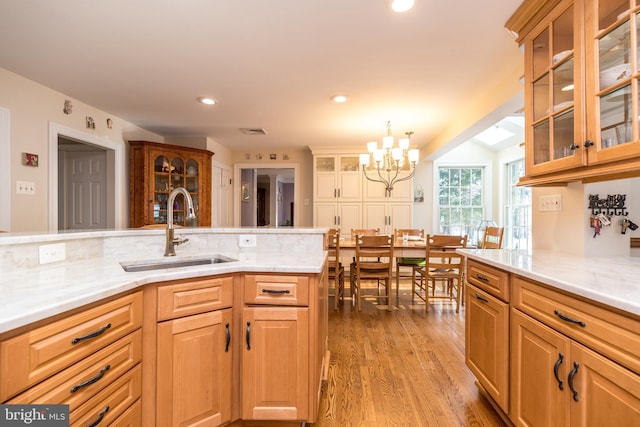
[517, 215]
[460, 200]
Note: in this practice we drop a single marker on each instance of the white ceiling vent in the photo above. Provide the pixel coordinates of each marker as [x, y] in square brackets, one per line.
[253, 131]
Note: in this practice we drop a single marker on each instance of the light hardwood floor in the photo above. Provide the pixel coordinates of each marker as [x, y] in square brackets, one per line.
[400, 368]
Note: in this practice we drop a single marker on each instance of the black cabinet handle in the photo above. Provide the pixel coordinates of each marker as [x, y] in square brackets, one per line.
[100, 417]
[568, 319]
[481, 277]
[556, 367]
[588, 143]
[92, 334]
[481, 298]
[248, 336]
[574, 146]
[276, 291]
[572, 374]
[228, 332]
[92, 380]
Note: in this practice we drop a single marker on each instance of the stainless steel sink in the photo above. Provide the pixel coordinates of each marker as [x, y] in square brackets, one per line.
[161, 264]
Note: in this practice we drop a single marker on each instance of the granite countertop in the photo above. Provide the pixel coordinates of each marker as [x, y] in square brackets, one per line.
[611, 281]
[32, 293]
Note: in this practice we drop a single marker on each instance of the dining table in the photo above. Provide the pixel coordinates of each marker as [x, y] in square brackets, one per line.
[401, 247]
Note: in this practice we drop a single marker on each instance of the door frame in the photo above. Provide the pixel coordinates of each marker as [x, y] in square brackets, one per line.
[56, 130]
[237, 186]
[5, 169]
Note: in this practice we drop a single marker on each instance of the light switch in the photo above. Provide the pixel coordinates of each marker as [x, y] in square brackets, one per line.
[25, 187]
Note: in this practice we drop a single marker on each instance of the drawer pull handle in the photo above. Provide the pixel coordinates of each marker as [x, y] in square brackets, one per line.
[276, 291]
[556, 368]
[228, 332]
[483, 278]
[568, 319]
[100, 417]
[572, 374]
[248, 336]
[92, 334]
[92, 380]
[481, 298]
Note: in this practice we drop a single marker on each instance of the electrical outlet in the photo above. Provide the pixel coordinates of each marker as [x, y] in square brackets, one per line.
[52, 253]
[247, 241]
[25, 187]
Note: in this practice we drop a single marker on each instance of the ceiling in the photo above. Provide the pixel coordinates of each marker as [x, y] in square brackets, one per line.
[269, 64]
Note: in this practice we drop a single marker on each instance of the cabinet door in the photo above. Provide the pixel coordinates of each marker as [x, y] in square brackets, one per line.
[487, 343]
[612, 96]
[194, 370]
[540, 364]
[325, 215]
[607, 394]
[326, 188]
[400, 216]
[275, 363]
[374, 215]
[349, 217]
[555, 129]
[349, 179]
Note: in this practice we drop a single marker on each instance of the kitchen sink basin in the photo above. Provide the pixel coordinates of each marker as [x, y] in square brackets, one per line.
[161, 264]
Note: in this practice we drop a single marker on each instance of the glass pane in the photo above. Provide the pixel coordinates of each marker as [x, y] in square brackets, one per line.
[191, 184]
[192, 167]
[541, 98]
[541, 53]
[563, 86]
[563, 135]
[541, 143]
[177, 165]
[563, 35]
[161, 164]
[326, 164]
[349, 164]
[616, 126]
[177, 181]
[161, 182]
[614, 56]
[609, 11]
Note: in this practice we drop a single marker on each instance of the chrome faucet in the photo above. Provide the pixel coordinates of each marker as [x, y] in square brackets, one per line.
[170, 241]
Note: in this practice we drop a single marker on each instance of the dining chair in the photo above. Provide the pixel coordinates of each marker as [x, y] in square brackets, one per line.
[355, 232]
[492, 238]
[336, 269]
[442, 263]
[374, 261]
[406, 261]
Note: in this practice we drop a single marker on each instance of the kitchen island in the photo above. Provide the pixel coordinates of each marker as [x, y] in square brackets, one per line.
[171, 337]
[553, 338]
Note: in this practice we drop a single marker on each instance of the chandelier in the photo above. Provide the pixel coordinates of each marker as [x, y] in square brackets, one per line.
[389, 160]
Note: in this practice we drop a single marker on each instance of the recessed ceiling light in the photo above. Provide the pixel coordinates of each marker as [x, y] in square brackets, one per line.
[339, 98]
[208, 101]
[400, 5]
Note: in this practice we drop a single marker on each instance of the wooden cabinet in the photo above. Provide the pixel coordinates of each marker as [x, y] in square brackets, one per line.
[284, 344]
[155, 170]
[194, 352]
[581, 89]
[89, 360]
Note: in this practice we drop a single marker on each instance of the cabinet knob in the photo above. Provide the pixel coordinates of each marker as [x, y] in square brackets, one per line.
[588, 143]
[574, 146]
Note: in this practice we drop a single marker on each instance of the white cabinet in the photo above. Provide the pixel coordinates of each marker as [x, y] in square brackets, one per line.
[337, 178]
[337, 215]
[387, 216]
[376, 191]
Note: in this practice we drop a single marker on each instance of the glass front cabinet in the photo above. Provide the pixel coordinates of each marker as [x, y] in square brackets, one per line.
[581, 87]
[156, 170]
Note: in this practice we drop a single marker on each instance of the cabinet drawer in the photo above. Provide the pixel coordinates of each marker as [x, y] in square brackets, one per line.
[101, 367]
[489, 279]
[35, 355]
[609, 333]
[276, 290]
[194, 296]
[111, 402]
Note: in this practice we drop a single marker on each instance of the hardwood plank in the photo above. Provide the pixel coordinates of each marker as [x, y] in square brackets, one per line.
[400, 368]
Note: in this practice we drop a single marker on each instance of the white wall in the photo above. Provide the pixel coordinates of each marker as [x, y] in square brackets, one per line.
[32, 108]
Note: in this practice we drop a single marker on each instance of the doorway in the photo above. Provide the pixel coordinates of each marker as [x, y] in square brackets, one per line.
[71, 207]
[266, 197]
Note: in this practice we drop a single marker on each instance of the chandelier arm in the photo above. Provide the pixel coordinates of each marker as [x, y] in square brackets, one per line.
[413, 171]
[382, 181]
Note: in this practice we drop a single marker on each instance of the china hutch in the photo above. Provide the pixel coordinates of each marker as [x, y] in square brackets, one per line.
[155, 170]
[582, 73]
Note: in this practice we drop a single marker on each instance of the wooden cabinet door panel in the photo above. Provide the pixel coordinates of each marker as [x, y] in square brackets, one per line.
[538, 397]
[487, 343]
[194, 370]
[607, 394]
[275, 363]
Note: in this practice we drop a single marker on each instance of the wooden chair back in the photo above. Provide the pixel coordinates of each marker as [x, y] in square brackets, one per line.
[355, 232]
[374, 257]
[441, 260]
[333, 245]
[492, 238]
